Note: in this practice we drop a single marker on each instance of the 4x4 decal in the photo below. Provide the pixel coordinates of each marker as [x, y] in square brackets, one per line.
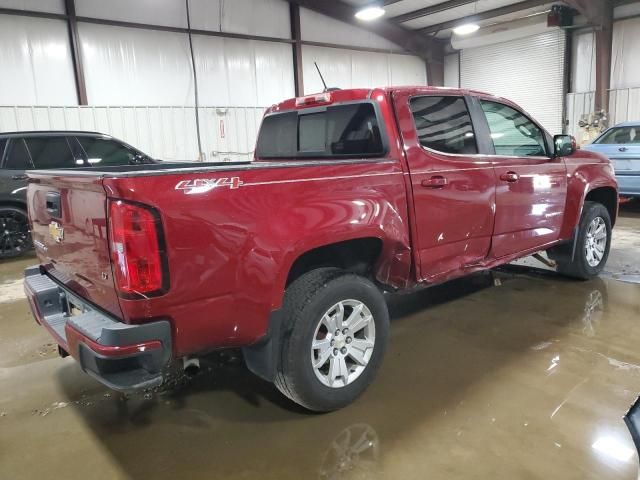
[202, 185]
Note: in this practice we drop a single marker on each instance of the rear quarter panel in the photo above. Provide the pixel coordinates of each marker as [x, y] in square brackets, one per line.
[230, 249]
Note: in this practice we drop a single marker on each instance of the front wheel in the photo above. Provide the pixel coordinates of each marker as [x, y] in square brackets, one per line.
[336, 332]
[592, 245]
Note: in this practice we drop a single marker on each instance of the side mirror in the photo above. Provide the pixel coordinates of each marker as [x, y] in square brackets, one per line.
[564, 145]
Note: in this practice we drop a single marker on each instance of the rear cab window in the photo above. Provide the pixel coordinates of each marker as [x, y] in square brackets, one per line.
[335, 131]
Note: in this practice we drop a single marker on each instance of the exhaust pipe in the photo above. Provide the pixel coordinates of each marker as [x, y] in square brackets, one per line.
[191, 366]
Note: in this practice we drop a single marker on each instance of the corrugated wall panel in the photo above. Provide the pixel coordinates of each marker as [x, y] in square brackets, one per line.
[171, 13]
[51, 6]
[316, 27]
[355, 69]
[625, 68]
[529, 71]
[35, 62]
[130, 66]
[452, 70]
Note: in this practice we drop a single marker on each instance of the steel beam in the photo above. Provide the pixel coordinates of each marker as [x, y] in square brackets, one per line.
[486, 15]
[437, 8]
[409, 40]
[76, 57]
[296, 35]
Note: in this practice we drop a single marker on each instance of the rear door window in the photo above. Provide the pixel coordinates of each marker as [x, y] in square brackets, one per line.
[107, 152]
[51, 152]
[17, 156]
[443, 124]
[350, 130]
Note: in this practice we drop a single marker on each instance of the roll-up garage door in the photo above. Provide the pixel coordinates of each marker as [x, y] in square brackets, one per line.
[528, 71]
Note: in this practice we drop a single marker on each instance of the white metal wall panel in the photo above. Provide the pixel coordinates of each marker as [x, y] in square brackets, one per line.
[247, 73]
[406, 70]
[624, 105]
[269, 18]
[344, 68]
[35, 62]
[50, 6]
[130, 66]
[316, 27]
[171, 13]
[529, 71]
[166, 133]
[625, 68]
[583, 63]
[452, 70]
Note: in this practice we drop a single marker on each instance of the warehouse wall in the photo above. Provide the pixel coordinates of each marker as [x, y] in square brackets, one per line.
[140, 82]
[624, 98]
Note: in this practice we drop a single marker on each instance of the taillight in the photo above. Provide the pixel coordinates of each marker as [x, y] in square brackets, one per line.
[136, 252]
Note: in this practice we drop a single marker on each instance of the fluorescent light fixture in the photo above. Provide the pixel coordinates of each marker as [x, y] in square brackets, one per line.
[466, 29]
[369, 13]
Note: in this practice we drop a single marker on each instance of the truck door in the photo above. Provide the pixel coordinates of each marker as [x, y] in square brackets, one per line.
[453, 187]
[531, 185]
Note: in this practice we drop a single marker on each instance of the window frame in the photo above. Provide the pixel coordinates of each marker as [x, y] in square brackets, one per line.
[480, 147]
[482, 118]
[384, 138]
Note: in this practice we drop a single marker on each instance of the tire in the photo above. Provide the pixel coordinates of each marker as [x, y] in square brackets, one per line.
[585, 266]
[15, 238]
[307, 304]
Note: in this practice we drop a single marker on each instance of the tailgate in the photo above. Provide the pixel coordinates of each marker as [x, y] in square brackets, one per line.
[69, 229]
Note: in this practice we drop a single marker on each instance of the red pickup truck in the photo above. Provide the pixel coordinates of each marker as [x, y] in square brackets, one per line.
[351, 193]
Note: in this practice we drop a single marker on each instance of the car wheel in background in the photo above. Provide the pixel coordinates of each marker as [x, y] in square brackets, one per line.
[15, 238]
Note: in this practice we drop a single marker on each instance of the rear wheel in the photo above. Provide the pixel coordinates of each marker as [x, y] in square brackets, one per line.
[336, 333]
[592, 245]
[15, 238]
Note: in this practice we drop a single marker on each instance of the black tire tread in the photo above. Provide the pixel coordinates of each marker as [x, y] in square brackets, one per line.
[297, 297]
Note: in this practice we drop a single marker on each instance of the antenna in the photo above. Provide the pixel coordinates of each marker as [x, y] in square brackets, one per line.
[321, 77]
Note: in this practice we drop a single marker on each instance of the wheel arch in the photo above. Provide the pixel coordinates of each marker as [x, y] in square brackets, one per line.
[606, 196]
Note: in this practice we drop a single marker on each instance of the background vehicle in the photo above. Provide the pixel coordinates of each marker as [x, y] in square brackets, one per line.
[353, 192]
[621, 144]
[20, 151]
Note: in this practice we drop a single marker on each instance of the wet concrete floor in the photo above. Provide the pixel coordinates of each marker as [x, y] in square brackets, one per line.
[515, 374]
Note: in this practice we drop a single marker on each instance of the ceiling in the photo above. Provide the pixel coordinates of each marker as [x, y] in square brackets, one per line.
[437, 17]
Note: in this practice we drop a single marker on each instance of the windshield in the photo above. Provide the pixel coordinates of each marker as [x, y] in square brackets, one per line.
[621, 136]
[335, 131]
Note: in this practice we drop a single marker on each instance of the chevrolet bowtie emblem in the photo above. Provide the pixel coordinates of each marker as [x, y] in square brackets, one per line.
[56, 231]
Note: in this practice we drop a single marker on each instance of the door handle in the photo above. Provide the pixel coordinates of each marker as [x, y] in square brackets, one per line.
[509, 177]
[436, 181]
[20, 177]
[52, 200]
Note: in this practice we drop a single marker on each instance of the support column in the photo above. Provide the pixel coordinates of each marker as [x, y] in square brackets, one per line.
[74, 42]
[296, 36]
[604, 41]
[435, 65]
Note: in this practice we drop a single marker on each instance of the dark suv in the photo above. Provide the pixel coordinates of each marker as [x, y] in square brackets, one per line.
[20, 151]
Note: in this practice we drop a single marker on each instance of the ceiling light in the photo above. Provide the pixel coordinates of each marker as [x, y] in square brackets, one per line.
[370, 13]
[466, 29]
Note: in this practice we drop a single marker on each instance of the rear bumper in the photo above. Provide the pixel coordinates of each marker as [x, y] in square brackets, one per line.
[628, 185]
[121, 356]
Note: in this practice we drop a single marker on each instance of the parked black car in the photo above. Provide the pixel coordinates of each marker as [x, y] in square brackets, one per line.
[20, 151]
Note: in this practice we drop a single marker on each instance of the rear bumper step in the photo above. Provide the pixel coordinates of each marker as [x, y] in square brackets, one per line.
[121, 356]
